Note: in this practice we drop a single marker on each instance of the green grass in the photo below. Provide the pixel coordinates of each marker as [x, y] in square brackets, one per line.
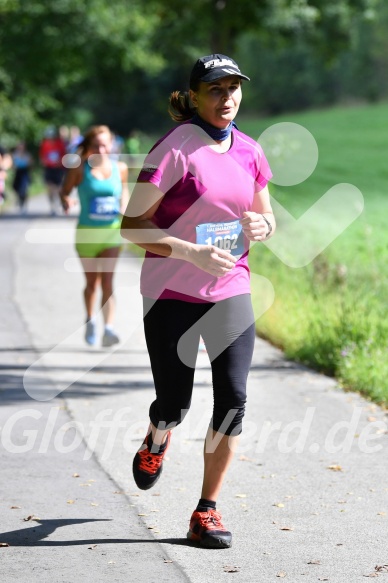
[37, 184]
[331, 314]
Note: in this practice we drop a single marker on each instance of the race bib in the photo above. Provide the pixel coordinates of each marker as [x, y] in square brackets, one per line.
[227, 236]
[53, 157]
[104, 208]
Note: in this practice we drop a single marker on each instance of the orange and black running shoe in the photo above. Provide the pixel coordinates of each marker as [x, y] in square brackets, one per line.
[207, 529]
[147, 466]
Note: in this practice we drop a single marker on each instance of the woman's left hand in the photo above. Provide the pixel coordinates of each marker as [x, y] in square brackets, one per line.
[67, 203]
[254, 226]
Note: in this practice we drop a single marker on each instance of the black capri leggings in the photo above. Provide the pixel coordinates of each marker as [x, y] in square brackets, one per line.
[172, 331]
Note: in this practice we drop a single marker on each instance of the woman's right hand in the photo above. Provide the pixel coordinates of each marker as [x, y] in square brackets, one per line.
[212, 259]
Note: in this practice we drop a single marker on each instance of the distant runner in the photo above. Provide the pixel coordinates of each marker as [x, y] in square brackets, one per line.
[103, 194]
[51, 151]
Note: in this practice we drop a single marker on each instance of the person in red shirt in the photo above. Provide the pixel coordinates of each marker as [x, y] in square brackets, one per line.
[52, 149]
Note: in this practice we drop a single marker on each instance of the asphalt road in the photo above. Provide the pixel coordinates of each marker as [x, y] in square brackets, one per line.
[306, 496]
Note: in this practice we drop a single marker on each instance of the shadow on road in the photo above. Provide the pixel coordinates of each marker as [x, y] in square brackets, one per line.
[35, 536]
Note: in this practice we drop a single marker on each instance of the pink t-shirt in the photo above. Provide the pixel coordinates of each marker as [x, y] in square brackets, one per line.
[207, 188]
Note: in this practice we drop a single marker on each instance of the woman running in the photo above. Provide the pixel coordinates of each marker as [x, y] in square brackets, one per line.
[103, 193]
[201, 197]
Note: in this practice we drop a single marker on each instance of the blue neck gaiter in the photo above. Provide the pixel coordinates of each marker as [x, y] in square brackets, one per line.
[218, 135]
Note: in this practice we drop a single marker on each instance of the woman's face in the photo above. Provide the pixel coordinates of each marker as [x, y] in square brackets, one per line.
[218, 102]
[99, 148]
[101, 144]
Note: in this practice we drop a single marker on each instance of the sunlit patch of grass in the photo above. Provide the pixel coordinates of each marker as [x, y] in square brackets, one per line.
[331, 315]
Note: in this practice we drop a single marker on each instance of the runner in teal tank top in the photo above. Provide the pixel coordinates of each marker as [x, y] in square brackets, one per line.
[103, 193]
[100, 199]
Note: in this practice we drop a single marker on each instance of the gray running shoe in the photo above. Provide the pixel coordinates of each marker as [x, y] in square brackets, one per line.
[110, 338]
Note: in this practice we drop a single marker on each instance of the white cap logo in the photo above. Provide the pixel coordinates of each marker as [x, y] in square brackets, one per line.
[219, 63]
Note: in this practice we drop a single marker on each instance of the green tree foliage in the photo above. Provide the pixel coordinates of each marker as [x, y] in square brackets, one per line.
[56, 55]
[116, 62]
[217, 25]
[318, 65]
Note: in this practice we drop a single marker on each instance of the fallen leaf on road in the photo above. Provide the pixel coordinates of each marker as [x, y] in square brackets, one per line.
[31, 517]
[381, 568]
[286, 528]
[371, 418]
[231, 569]
[281, 574]
[244, 458]
[278, 505]
[314, 562]
[94, 504]
[381, 514]
[71, 502]
[168, 561]
[335, 468]
[92, 547]
[15, 507]
[323, 579]
[371, 575]
[75, 475]
[241, 495]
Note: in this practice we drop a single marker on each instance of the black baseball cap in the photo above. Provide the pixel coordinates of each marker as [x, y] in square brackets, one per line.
[214, 67]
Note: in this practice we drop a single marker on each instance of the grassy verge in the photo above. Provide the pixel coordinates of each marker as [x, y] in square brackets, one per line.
[331, 314]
